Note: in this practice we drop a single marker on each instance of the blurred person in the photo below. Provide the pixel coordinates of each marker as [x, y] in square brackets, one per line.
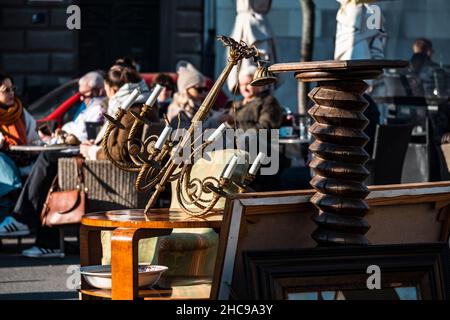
[356, 40]
[192, 90]
[120, 81]
[166, 96]
[421, 64]
[433, 82]
[92, 108]
[423, 45]
[17, 127]
[258, 109]
[92, 95]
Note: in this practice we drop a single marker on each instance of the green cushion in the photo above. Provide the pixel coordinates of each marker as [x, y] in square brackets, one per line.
[186, 253]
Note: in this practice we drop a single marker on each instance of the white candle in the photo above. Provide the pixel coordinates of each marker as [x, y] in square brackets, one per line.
[231, 167]
[155, 94]
[255, 166]
[131, 98]
[217, 133]
[163, 138]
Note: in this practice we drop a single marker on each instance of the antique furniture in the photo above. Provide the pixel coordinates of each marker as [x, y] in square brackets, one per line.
[267, 221]
[161, 160]
[339, 156]
[190, 253]
[400, 214]
[406, 272]
[128, 227]
[154, 160]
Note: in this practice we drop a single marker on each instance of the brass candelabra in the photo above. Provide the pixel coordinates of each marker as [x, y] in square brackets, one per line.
[154, 158]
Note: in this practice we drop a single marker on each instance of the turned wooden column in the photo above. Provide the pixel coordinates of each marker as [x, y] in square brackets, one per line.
[339, 155]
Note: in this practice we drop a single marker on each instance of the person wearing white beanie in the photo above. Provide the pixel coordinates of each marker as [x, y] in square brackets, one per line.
[191, 91]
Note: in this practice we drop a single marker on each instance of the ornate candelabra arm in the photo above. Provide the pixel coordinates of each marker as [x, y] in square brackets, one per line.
[220, 190]
[243, 186]
[201, 115]
[208, 187]
[237, 52]
[115, 123]
[151, 166]
[134, 144]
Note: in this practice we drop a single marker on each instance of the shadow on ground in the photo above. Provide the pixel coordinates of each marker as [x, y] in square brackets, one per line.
[68, 295]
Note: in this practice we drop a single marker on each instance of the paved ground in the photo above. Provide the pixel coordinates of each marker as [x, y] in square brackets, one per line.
[24, 278]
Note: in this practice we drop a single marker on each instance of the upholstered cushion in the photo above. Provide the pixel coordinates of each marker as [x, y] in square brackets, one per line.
[187, 252]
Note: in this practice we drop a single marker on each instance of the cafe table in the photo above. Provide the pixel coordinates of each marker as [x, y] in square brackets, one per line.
[128, 227]
[295, 148]
[294, 140]
[44, 148]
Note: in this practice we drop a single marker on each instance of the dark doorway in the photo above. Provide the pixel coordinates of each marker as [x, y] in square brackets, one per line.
[116, 28]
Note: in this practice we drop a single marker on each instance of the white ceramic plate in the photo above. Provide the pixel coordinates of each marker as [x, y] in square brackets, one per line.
[100, 276]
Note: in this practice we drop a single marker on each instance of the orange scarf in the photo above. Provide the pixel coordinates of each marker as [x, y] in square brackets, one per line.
[12, 124]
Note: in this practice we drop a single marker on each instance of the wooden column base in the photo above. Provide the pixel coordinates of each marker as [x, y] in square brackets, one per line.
[339, 154]
[338, 163]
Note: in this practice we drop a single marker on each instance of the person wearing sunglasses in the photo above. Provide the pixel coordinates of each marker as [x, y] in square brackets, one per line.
[191, 93]
[92, 96]
[17, 127]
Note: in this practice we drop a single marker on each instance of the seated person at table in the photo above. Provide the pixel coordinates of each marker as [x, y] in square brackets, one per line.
[120, 82]
[91, 110]
[92, 95]
[258, 110]
[191, 93]
[17, 127]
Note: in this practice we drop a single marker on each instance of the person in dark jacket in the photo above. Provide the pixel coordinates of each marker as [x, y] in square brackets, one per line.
[258, 109]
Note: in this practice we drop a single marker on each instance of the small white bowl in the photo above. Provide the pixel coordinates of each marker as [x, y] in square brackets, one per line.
[100, 276]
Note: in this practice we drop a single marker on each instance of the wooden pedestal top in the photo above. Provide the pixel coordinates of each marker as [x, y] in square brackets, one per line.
[157, 219]
[336, 65]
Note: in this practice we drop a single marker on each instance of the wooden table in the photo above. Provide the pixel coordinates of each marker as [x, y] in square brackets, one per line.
[128, 227]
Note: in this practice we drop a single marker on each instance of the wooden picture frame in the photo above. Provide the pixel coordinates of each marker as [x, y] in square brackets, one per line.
[408, 272]
[399, 214]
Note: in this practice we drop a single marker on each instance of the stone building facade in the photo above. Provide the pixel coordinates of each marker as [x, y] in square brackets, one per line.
[37, 48]
[40, 52]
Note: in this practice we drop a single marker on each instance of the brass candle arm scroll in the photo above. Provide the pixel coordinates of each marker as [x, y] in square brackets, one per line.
[154, 158]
